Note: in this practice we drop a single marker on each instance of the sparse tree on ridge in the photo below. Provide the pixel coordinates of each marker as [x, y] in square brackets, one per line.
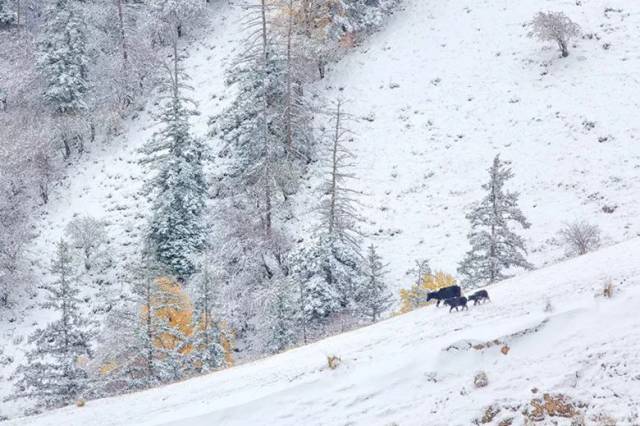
[495, 247]
[556, 27]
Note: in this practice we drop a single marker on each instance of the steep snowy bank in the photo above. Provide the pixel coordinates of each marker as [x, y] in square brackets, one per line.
[419, 368]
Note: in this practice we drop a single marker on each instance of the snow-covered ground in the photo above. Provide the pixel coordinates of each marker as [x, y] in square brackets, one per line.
[419, 368]
[451, 83]
[441, 89]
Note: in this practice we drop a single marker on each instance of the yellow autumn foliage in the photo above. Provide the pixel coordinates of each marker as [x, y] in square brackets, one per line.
[227, 340]
[313, 17]
[172, 304]
[416, 296]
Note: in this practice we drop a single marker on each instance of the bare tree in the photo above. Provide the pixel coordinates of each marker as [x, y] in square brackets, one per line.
[339, 208]
[46, 170]
[580, 238]
[554, 26]
[88, 235]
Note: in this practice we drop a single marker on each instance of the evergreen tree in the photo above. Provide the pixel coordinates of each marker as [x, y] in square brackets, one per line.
[62, 58]
[329, 268]
[373, 296]
[6, 17]
[176, 232]
[208, 352]
[494, 246]
[149, 339]
[53, 373]
[282, 318]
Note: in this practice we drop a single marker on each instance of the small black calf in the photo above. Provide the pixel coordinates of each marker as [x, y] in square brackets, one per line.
[444, 294]
[457, 302]
[480, 296]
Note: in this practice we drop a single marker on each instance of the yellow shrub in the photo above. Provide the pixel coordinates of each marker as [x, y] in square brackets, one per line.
[416, 296]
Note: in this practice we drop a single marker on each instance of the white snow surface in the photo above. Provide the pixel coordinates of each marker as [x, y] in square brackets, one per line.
[440, 90]
[418, 368]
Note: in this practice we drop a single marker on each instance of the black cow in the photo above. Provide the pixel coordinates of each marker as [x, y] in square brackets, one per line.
[457, 302]
[444, 294]
[480, 296]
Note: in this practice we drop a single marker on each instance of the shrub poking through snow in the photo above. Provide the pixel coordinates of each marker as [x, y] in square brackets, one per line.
[481, 380]
[580, 238]
[333, 361]
[553, 406]
[608, 289]
[490, 414]
[555, 26]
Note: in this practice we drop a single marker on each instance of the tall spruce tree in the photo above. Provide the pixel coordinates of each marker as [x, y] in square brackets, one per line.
[53, 374]
[176, 231]
[373, 296]
[62, 58]
[495, 247]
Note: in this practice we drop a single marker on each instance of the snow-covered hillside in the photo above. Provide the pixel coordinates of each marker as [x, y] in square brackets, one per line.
[419, 368]
[439, 91]
[107, 185]
[449, 84]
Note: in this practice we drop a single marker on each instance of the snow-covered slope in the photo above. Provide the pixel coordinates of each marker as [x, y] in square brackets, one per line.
[441, 89]
[418, 368]
[451, 83]
[107, 185]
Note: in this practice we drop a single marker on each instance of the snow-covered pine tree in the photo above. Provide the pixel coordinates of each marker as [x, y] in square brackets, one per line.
[495, 247]
[316, 271]
[54, 375]
[6, 16]
[329, 267]
[62, 58]
[146, 341]
[373, 295]
[282, 318]
[176, 231]
[208, 353]
[63, 62]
